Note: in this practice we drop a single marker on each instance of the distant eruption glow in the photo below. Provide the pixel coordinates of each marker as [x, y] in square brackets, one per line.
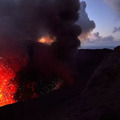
[47, 39]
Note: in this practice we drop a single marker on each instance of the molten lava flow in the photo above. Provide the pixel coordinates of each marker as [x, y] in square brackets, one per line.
[8, 86]
[47, 40]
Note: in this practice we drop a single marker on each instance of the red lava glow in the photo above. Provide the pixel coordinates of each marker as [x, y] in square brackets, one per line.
[8, 86]
[10, 63]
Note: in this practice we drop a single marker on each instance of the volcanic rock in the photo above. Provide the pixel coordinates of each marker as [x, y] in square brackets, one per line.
[100, 100]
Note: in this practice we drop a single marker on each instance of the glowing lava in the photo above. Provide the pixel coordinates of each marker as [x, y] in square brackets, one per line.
[47, 40]
[8, 86]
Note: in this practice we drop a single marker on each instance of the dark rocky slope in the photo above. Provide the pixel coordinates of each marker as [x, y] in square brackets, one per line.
[67, 103]
[100, 100]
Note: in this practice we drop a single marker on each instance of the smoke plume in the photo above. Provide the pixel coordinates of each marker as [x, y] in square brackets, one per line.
[30, 20]
[35, 18]
[86, 24]
[22, 23]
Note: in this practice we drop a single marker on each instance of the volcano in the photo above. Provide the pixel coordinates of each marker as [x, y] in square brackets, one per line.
[50, 101]
[39, 39]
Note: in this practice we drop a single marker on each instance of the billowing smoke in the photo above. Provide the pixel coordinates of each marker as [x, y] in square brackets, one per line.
[35, 18]
[115, 4]
[30, 20]
[86, 24]
[22, 23]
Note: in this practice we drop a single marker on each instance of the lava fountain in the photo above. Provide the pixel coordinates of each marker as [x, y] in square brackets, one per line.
[12, 59]
[24, 63]
[8, 86]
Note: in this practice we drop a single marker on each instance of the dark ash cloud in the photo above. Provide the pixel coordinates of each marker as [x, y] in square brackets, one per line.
[34, 18]
[30, 20]
[22, 23]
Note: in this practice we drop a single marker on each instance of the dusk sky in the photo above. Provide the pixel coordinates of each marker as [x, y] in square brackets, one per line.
[106, 15]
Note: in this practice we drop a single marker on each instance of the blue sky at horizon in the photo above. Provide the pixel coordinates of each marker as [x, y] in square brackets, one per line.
[103, 16]
[105, 19]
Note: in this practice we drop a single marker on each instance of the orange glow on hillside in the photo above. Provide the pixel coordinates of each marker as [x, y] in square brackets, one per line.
[47, 40]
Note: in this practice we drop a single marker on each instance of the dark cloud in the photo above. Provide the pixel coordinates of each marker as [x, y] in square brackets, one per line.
[115, 4]
[116, 29]
[84, 21]
[29, 20]
[22, 22]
